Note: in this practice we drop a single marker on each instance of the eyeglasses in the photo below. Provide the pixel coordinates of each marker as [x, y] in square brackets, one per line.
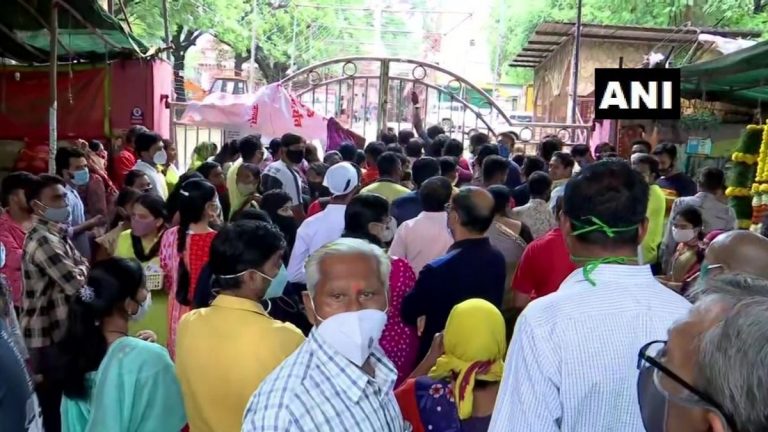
[678, 390]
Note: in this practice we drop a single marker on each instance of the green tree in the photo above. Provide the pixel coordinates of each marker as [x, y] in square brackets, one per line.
[517, 27]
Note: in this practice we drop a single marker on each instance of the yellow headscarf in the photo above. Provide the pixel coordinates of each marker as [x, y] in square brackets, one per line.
[475, 342]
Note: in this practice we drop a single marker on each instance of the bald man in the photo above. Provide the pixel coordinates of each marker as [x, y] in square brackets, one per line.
[471, 268]
[737, 252]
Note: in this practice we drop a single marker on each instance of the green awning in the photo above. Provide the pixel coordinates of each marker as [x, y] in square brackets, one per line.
[740, 77]
[86, 32]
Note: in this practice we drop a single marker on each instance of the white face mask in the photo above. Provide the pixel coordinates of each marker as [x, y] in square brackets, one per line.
[353, 334]
[143, 308]
[160, 158]
[683, 235]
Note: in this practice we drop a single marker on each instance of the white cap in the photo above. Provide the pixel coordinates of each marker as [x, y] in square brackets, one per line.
[341, 178]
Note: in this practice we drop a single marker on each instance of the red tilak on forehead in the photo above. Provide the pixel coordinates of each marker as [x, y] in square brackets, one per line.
[357, 286]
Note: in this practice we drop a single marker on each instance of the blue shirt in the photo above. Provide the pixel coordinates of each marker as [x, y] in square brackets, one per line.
[406, 207]
[77, 218]
[472, 268]
[318, 390]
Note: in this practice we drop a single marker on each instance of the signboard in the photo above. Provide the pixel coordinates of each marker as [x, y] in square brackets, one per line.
[698, 145]
[137, 116]
[637, 94]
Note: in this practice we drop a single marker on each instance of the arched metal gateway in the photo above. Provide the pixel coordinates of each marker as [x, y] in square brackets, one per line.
[369, 94]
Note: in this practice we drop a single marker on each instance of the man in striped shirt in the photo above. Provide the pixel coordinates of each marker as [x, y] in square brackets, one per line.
[339, 379]
[572, 363]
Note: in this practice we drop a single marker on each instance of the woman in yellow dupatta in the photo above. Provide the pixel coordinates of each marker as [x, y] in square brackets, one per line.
[465, 366]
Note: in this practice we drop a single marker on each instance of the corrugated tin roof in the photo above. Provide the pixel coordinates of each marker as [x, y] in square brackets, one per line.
[549, 35]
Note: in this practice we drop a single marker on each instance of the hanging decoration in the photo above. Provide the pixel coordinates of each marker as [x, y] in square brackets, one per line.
[742, 176]
[760, 185]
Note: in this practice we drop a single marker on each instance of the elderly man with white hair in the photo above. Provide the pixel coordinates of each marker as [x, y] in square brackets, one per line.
[339, 379]
[712, 373]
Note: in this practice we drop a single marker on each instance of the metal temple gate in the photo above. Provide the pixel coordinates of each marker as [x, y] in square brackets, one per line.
[369, 94]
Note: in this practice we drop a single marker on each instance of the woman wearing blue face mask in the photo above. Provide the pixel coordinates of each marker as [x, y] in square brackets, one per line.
[113, 381]
[245, 260]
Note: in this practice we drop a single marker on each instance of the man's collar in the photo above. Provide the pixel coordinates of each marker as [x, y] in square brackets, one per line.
[349, 378]
[150, 165]
[624, 273]
[53, 227]
[232, 302]
[475, 241]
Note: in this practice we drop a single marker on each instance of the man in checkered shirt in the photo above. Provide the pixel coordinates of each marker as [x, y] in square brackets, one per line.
[53, 272]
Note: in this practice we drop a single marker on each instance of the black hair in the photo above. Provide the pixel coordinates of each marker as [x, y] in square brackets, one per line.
[95, 145]
[172, 203]
[493, 166]
[424, 169]
[405, 136]
[375, 149]
[359, 158]
[603, 148]
[651, 162]
[471, 217]
[15, 181]
[484, 151]
[145, 140]
[644, 143]
[64, 156]
[388, 137]
[435, 148]
[206, 168]
[130, 136]
[565, 159]
[82, 348]
[666, 148]
[387, 164]
[580, 150]
[454, 148]
[227, 152]
[232, 250]
[131, 177]
[252, 214]
[519, 159]
[548, 147]
[249, 145]
[448, 165]
[414, 148]
[39, 184]
[273, 201]
[319, 168]
[193, 197]
[539, 184]
[435, 193]
[395, 148]
[348, 151]
[361, 211]
[712, 179]
[478, 139]
[533, 164]
[156, 207]
[434, 131]
[612, 192]
[501, 198]
[289, 139]
[274, 147]
[127, 195]
[692, 215]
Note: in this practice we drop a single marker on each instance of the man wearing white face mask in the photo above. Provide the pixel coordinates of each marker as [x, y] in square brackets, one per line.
[151, 153]
[223, 352]
[339, 379]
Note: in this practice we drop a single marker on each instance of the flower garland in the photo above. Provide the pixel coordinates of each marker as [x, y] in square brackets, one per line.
[750, 156]
[760, 186]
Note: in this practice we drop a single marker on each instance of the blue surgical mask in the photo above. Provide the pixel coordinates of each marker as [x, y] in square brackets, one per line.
[81, 177]
[60, 215]
[278, 283]
[503, 151]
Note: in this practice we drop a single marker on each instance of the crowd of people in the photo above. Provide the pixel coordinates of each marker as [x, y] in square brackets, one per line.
[411, 285]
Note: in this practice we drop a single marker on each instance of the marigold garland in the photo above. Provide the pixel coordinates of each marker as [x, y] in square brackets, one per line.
[742, 185]
[759, 188]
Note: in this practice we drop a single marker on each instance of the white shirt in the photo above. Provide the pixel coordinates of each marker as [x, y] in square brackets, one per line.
[314, 233]
[572, 362]
[422, 239]
[278, 176]
[156, 179]
[318, 390]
